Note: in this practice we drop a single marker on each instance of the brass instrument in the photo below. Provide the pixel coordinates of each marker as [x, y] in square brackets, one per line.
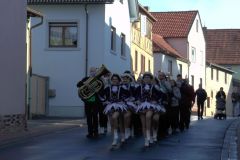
[92, 85]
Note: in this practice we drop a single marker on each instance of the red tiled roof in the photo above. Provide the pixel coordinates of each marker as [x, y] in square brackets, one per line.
[160, 45]
[173, 24]
[223, 46]
[67, 1]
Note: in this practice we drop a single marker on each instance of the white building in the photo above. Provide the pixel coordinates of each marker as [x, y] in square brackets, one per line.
[183, 31]
[167, 59]
[12, 65]
[74, 36]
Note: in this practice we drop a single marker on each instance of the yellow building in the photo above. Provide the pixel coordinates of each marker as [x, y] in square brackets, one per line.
[141, 43]
[218, 76]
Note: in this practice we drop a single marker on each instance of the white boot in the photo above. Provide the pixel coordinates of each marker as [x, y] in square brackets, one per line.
[147, 139]
[123, 138]
[146, 143]
[151, 140]
[127, 133]
[101, 130]
[115, 137]
[154, 135]
[148, 135]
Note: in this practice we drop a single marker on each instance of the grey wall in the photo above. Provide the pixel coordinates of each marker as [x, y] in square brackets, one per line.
[12, 56]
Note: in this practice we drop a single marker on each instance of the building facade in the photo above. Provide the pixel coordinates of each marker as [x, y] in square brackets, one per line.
[183, 31]
[167, 59]
[141, 43]
[216, 77]
[73, 37]
[223, 49]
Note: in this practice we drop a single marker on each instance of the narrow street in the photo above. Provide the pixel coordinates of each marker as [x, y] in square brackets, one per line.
[203, 141]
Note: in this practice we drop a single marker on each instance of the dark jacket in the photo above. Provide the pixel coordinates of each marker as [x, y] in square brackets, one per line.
[201, 95]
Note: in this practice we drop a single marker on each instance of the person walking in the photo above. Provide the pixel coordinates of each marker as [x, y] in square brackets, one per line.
[201, 95]
[236, 102]
[221, 99]
[187, 101]
[91, 106]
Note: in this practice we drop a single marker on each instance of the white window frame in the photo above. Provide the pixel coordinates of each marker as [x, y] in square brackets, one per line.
[47, 48]
[193, 54]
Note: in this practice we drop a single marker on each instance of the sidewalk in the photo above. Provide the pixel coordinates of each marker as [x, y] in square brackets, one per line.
[40, 127]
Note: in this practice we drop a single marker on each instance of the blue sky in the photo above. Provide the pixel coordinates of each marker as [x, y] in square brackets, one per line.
[215, 14]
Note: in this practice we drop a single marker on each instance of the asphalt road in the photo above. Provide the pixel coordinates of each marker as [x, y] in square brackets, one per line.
[203, 141]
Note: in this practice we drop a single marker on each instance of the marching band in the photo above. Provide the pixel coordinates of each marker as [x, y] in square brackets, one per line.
[154, 101]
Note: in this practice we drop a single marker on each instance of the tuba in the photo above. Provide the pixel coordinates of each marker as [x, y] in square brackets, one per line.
[92, 85]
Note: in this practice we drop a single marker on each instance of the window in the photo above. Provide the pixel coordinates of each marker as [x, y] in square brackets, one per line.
[149, 29]
[225, 78]
[136, 60]
[197, 26]
[200, 80]
[149, 65]
[170, 67]
[63, 35]
[217, 75]
[123, 44]
[142, 64]
[201, 57]
[121, 1]
[211, 94]
[113, 39]
[193, 56]
[143, 25]
[211, 73]
[192, 80]
[180, 69]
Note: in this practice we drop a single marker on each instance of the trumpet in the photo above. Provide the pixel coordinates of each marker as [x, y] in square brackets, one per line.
[92, 85]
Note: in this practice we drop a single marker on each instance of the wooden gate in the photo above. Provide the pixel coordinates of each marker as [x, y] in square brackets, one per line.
[39, 95]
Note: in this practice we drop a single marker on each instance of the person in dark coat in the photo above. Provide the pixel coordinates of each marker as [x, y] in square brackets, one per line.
[91, 106]
[187, 101]
[221, 99]
[201, 95]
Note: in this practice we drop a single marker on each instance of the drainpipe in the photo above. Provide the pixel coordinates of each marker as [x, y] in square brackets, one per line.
[30, 67]
[86, 60]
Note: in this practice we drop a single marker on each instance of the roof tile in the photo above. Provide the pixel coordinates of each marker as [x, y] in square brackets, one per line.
[173, 24]
[160, 45]
[223, 46]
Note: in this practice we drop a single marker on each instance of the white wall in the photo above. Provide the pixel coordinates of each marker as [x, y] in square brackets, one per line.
[197, 40]
[180, 44]
[117, 15]
[12, 57]
[66, 67]
[161, 63]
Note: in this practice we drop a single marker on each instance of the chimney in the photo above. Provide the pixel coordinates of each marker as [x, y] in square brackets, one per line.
[147, 8]
[204, 31]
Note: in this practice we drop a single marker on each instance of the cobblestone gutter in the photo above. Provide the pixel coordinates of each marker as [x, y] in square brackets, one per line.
[238, 140]
[230, 144]
[12, 123]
